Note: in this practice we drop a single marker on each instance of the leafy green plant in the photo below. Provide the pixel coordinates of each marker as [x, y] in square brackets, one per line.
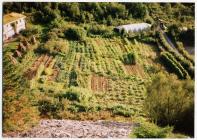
[78, 94]
[130, 58]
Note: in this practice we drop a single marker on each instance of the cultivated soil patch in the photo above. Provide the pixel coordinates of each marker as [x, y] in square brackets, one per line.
[135, 70]
[99, 83]
[43, 59]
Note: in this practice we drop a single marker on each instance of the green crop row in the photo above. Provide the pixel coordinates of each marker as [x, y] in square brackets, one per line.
[174, 65]
[186, 64]
[182, 50]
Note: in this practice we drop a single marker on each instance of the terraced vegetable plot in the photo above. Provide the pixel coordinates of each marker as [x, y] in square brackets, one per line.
[46, 60]
[98, 67]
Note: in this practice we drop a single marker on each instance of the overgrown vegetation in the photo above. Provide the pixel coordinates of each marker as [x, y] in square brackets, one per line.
[171, 104]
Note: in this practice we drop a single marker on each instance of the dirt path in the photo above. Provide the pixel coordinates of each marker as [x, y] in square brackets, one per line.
[77, 129]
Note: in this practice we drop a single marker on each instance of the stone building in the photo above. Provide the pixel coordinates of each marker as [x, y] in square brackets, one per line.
[13, 23]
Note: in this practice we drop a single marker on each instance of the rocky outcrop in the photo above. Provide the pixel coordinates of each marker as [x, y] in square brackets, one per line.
[77, 129]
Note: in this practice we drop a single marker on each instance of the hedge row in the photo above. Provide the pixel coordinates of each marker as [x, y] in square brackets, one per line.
[182, 50]
[188, 66]
[169, 60]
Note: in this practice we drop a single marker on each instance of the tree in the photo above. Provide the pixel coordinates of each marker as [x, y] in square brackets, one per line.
[75, 11]
[138, 10]
[44, 16]
[109, 20]
[174, 31]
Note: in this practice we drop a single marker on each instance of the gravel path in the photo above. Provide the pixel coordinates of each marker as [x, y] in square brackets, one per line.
[76, 129]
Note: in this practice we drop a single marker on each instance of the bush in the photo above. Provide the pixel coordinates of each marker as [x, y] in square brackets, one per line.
[49, 108]
[44, 107]
[121, 110]
[30, 32]
[149, 20]
[75, 34]
[168, 99]
[99, 30]
[51, 36]
[130, 58]
[81, 95]
[77, 107]
[189, 40]
[151, 130]
[72, 95]
[73, 78]
[55, 46]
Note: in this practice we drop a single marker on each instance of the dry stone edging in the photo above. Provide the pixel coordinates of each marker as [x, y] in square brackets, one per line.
[77, 129]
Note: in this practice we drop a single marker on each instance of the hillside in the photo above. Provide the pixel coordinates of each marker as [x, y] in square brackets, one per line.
[70, 64]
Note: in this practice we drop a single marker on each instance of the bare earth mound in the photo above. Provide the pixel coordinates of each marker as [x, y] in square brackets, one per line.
[76, 129]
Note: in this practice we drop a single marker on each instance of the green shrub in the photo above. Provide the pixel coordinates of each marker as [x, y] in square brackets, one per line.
[169, 101]
[75, 34]
[81, 95]
[72, 95]
[150, 130]
[55, 46]
[97, 30]
[47, 107]
[52, 35]
[78, 107]
[122, 110]
[44, 107]
[130, 58]
[30, 32]
[81, 107]
[73, 78]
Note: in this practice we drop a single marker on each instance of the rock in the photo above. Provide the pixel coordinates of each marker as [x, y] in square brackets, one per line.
[77, 129]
